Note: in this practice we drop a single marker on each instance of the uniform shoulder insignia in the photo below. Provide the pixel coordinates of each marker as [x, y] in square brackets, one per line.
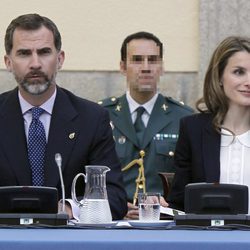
[179, 103]
[108, 101]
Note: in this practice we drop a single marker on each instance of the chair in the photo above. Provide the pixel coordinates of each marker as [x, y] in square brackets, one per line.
[167, 179]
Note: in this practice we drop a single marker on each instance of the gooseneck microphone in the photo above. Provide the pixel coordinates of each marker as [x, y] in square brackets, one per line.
[58, 159]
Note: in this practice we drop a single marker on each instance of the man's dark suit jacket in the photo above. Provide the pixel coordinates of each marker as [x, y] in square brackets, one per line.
[197, 156]
[79, 130]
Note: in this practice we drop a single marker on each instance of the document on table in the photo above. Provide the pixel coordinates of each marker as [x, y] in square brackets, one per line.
[170, 211]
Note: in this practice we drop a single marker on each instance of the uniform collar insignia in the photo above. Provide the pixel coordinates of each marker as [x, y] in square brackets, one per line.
[118, 107]
[164, 106]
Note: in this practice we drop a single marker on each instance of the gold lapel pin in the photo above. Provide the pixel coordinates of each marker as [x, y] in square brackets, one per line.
[72, 135]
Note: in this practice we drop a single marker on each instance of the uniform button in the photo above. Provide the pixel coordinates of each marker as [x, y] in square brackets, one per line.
[121, 139]
[171, 153]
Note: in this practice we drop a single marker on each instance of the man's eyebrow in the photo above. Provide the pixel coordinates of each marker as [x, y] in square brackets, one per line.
[44, 49]
[147, 55]
[150, 57]
[22, 51]
[137, 55]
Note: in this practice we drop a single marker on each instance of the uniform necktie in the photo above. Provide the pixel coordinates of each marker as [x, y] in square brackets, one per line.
[139, 125]
[37, 147]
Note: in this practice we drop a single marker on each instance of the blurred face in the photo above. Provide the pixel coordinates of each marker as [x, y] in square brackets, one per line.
[236, 79]
[143, 67]
[34, 60]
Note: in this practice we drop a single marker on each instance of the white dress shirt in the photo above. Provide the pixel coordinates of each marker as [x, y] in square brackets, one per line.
[45, 116]
[234, 159]
[133, 105]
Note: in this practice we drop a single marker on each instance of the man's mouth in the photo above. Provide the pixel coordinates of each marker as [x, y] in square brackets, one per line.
[146, 77]
[35, 74]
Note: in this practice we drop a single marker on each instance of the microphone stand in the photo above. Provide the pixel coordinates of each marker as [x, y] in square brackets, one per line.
[58, 160]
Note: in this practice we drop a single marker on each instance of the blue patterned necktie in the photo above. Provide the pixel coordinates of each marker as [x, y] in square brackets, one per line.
[37, 147]
[139, 125]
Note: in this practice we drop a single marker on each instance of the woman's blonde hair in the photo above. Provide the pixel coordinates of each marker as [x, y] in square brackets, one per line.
[214, 100]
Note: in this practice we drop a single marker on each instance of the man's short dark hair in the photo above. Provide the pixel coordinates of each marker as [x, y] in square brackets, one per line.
[31, 22]
[140, 35]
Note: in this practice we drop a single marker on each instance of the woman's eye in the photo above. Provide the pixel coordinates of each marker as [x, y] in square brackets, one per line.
[239, 72]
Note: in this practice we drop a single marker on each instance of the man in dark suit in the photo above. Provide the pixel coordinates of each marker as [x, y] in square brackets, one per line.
[76, 128]
[142, 64]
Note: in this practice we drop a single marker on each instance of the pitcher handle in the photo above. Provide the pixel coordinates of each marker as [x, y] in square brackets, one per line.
[73, 188]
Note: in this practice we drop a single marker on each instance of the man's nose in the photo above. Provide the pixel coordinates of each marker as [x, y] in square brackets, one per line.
[35, 62]
[145, 66]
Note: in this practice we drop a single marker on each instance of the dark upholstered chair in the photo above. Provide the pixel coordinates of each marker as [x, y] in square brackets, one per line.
[167, 179]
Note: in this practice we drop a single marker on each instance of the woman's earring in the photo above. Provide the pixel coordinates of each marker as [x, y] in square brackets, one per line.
[221, 84]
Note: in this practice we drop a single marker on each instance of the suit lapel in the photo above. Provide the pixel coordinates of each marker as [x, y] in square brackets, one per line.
[13, 139]
[62, 136]
[211, 153]
[158, 119]
[121, 119]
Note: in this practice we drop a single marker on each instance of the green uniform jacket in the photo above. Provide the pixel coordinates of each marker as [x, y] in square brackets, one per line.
[159, 139]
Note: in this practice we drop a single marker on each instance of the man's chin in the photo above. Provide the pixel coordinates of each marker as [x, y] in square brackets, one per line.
[145, 88]
[36, 89]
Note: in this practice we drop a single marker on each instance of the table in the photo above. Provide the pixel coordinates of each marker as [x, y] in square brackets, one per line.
[122, 239]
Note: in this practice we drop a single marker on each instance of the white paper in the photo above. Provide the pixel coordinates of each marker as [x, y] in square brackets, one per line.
[170, 211]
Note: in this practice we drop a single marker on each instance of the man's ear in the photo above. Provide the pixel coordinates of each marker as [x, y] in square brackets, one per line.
[7, 62]
[123, 67]
[61, 57]
[162, 68]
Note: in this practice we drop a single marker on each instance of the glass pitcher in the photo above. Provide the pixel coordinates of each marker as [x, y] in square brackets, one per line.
[94, 208]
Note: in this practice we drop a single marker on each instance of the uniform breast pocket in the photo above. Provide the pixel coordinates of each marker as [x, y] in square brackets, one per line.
[121, 150]
[165, 155]
[120, 144]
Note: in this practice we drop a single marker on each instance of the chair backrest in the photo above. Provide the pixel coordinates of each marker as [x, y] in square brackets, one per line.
[167, 179]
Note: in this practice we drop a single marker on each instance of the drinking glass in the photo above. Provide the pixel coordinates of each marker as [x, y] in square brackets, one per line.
[149, 206]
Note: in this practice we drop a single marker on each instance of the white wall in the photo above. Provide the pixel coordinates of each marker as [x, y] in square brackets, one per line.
[93, 30]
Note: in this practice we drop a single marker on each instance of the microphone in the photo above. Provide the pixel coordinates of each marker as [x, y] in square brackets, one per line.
[58, 160]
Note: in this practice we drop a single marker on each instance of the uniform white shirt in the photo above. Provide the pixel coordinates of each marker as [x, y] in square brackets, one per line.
[133, 105]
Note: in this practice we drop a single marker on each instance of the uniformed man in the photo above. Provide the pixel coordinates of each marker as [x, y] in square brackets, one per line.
[142, 64]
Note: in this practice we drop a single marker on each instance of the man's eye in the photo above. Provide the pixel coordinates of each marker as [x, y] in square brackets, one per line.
[153, 59]
[44, 51]
[137, 59]
[23, 53]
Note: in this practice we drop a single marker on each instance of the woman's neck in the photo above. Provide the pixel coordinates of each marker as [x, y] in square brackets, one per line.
[237, 120]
